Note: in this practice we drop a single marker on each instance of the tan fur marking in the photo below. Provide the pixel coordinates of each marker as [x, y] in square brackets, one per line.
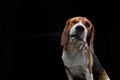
[104, 76]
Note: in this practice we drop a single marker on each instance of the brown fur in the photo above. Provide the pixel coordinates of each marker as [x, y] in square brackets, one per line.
[103, 75]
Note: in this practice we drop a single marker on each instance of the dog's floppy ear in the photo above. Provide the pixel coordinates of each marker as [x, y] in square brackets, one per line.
[65, 34]
[90, 38]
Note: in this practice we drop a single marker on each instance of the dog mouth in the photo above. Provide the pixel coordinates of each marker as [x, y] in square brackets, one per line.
[75, 36]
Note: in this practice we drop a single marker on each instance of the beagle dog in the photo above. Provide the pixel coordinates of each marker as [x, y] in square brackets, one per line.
[78, 54]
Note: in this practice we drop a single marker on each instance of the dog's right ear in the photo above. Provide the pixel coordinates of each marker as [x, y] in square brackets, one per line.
[65, 34]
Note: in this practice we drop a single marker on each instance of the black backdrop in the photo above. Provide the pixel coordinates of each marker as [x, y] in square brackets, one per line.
[31, 31]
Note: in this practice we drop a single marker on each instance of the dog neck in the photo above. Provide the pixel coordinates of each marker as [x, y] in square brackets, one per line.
[78, 44]
[74, 48]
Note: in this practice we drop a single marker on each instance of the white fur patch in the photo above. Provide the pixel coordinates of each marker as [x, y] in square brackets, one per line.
[76, 60]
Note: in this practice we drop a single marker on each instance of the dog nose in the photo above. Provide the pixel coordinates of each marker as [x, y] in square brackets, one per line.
[80, 28]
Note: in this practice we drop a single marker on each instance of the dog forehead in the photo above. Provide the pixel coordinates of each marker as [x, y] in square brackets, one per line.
[71, 22]
[75, 19]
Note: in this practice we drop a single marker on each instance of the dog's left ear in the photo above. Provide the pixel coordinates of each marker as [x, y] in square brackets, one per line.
[65, 35]
[90, 38]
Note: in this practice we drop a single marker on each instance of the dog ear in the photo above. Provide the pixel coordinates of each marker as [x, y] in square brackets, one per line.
[90, 38]
[64, 38]
[65, 34]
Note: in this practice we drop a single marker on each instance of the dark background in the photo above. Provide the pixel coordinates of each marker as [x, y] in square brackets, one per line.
[31, 30]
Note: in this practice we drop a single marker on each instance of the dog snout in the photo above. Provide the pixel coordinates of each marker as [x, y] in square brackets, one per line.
[79, 28]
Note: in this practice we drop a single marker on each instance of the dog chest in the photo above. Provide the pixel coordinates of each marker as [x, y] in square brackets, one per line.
[77, 63]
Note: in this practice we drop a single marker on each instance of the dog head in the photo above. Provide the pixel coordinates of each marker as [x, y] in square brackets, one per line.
[78, 29]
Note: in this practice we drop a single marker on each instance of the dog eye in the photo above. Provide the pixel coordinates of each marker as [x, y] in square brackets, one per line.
[87, 24]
